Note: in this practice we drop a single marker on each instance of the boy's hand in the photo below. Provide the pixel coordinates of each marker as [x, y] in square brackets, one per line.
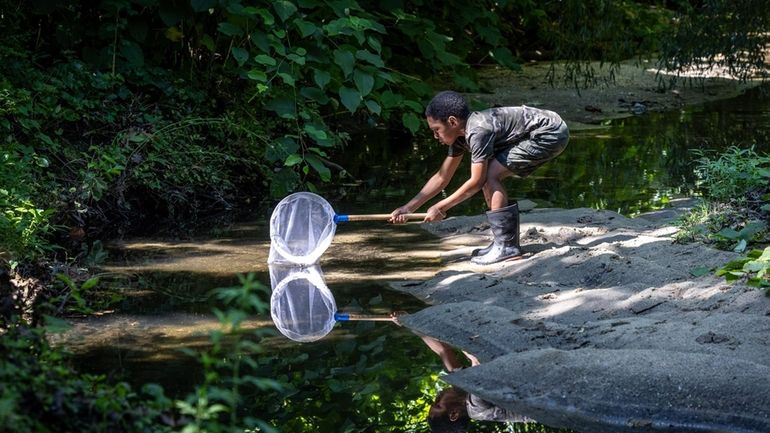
[398, 216]
[435, 214]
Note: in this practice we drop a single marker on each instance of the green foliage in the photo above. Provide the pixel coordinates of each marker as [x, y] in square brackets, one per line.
[40, 393]
[229, 365]
[735, 185]
[25, 223]
[744, 235]
[755, 267]
[76, 298]
[732, 174]
[734, 213]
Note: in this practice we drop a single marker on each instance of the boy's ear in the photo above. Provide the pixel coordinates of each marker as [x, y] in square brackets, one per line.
[452, 121]
[454, 415]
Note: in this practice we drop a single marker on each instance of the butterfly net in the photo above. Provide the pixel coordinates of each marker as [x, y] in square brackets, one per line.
[301, 229]
[301, 305]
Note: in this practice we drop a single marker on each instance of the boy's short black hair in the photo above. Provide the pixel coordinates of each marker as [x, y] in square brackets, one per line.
[447, 103]
[452, 400]
[442, 424]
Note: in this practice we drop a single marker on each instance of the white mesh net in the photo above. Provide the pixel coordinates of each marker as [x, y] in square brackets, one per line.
[301, 229]
[301, 305]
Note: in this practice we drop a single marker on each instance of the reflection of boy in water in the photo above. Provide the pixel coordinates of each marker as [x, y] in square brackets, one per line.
[454, 408]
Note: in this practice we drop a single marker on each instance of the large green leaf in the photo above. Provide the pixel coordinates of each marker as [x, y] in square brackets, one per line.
[284, 9]
[133, 53]
[283, 182]
[265, 60]
[321, 78]
[315, 94]
[411, 121]
[280, 149]
[350, 98]
[345, 60]
[373, 107]
[305, 28]
[283, 106]
[364, 81]
[202, 5]
[292, 160]
[240, 55]
[314, 132]
[230, 29]
[257, 75]
[370, 57]
[318, 165]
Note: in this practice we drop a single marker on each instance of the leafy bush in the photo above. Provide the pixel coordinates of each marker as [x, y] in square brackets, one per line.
[25, 225]
[733, 174]
[40, 393]
[735, 211]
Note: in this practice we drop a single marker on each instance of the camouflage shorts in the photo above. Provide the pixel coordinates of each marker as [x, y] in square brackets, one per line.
[542, 145]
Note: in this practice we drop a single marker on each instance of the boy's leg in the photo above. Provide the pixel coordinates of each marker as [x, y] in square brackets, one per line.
[494, 194]
[521, 159]
[494, 191]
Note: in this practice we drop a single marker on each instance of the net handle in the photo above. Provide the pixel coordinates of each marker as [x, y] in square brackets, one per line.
[348, 317]
[375, 217]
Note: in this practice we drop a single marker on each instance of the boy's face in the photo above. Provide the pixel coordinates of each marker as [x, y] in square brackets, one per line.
[446, 132]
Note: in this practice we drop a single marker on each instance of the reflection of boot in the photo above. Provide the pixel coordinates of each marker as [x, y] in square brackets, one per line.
[505, 228]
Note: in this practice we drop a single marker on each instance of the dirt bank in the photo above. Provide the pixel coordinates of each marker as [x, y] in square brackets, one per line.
[602, 327]
[637, 88]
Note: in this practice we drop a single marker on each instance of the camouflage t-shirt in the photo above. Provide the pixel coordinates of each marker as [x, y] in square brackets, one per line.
[495, 129]
[482, 410]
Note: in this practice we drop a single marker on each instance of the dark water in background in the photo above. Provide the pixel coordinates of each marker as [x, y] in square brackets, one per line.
[627, 165]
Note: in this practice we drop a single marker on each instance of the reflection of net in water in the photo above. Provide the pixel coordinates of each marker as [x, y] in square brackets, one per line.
[302, 306]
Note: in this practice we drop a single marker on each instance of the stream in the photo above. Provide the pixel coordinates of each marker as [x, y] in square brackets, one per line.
[366, 373]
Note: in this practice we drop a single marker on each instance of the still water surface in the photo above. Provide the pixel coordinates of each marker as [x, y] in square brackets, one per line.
[365, 374]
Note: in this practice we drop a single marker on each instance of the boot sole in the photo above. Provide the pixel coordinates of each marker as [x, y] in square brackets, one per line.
[509, 259]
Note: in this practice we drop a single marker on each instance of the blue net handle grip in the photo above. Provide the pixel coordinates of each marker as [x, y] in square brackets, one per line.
[347, 317]
[375, 217]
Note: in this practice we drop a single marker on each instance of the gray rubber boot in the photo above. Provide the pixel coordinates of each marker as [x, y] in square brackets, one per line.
[482, 251]
[505, 228]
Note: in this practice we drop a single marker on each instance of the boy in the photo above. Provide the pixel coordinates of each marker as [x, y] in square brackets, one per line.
[502, 142]
[453, 408]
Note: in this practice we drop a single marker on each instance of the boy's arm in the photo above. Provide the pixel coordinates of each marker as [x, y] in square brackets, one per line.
[465, 191]
[444, 351]
[433, 186]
